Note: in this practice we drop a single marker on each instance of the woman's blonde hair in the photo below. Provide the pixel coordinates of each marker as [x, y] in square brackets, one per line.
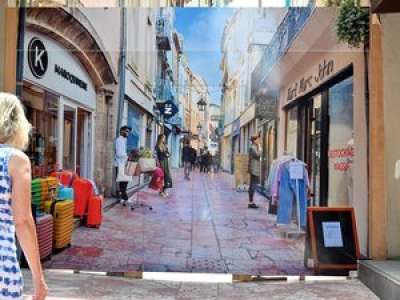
[14, 127]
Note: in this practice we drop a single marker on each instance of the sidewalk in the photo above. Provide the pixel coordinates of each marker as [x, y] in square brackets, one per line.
[63, 286]
[203, 226]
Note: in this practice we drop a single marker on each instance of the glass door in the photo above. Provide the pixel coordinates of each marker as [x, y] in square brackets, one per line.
[315, 140]
[69, 136]
[84, 142]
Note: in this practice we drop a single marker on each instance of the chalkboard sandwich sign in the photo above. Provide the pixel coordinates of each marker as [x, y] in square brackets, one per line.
[332, 236]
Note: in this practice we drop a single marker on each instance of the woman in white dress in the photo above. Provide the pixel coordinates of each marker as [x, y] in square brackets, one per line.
[15, 203]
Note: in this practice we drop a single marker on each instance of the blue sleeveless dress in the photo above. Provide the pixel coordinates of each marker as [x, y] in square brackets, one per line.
[11, 282]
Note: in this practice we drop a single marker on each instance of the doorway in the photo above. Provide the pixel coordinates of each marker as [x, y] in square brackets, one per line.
[69, 138]
[84, 142]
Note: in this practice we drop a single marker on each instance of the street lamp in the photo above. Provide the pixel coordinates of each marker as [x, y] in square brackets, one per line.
[201, 104]
[199, 127]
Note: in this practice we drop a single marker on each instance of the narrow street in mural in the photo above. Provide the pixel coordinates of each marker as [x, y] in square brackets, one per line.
[235, 122]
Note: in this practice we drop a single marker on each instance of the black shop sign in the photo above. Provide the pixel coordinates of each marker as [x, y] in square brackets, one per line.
[168, 109]
[38, 58]
[305, 84]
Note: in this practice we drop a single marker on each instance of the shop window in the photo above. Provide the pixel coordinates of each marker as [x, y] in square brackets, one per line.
[341, 151]
[134, 121]
[292, 131]
[42, 113]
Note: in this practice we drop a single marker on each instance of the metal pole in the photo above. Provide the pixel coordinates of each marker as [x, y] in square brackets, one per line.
[122, 63]
[20, 47]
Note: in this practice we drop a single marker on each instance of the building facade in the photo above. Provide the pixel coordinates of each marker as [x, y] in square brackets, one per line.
[245, 38]
[69, 90]
[320, 86]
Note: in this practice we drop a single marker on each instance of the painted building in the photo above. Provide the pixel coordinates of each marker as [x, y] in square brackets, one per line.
[315, 79]
[69, 90]
[245, 37]
[140, 74]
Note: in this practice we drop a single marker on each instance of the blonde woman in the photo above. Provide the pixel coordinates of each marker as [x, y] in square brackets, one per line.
[15, 203]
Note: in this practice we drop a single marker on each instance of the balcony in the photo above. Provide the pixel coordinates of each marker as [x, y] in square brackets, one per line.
[163, 34]
[281, 41]
[165, 91]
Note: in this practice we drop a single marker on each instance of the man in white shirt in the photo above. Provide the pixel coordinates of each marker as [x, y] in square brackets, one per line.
[121, 157]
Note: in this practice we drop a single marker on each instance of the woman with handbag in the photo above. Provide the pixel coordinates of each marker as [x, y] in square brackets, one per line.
[163, 156]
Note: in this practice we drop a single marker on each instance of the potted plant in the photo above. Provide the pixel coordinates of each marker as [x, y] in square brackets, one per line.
[146, 162]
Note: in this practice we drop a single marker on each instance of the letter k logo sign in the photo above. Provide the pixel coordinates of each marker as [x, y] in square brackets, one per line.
[38, 58]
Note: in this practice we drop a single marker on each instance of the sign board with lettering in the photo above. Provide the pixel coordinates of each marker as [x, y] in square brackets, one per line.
[307, 83]
[332, 240]
[168, 109]
[53, 67]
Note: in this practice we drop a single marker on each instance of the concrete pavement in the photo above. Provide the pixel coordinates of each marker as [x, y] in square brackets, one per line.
[63, 286]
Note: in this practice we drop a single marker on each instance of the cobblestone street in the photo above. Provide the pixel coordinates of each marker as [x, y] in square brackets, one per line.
[203, 226]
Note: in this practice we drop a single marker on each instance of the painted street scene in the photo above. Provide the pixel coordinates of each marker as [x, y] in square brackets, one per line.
[251, 140]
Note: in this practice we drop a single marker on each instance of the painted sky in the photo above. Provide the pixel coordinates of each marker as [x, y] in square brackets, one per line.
[202, 30]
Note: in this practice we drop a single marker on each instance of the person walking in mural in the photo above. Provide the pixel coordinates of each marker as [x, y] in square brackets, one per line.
[120, 160]
[254, 168]
[163, 157]
[15, 204]
[193, 157]
[187, 158]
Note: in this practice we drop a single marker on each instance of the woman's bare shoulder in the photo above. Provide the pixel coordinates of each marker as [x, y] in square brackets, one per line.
[18, 161]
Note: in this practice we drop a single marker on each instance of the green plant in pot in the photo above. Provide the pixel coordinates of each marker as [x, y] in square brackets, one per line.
[146, 153]
[352, 24]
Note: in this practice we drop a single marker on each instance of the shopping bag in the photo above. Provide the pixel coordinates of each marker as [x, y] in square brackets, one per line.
[147, 165]
[121, 176]
[130, 168]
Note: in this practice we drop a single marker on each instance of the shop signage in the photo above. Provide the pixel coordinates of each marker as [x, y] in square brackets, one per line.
[228, 130]
[305, 84]
[236, 127]
[38, 58]
[332, 234]
[248, 115]
[70, 77]
[168, 109]
[332, 240]
[342, 158]
[48, 64]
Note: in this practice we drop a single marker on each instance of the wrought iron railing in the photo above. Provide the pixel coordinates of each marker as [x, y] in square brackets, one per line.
[285, 34]
[165, 91]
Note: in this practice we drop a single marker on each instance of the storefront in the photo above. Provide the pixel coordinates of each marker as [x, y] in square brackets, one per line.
[248, 127]
[322, 122]
[60, 101]
[235, 143]
[267, 130]
[227, 149]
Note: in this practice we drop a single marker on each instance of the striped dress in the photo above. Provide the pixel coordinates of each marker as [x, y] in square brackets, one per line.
[11, 282]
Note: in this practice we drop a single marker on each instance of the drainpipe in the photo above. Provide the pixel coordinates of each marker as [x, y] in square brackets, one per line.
[122, 64]
[20, 47]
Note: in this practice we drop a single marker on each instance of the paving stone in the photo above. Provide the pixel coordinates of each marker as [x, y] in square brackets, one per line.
[203, 225]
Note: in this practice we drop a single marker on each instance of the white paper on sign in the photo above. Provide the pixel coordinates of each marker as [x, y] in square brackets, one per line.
[332, 234]
[296, 170]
